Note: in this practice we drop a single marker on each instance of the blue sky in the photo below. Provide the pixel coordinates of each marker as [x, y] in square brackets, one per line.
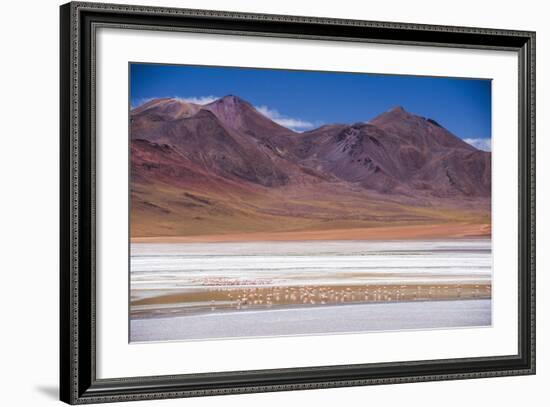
[303, 100]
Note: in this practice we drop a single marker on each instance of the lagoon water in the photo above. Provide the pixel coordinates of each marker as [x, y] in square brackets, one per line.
[418, 315]
[159, 270]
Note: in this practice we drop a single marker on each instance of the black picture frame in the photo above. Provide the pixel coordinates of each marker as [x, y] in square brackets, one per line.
[78, 381]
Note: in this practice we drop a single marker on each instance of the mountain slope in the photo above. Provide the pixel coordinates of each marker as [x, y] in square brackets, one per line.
[398, 152]
[224, 167]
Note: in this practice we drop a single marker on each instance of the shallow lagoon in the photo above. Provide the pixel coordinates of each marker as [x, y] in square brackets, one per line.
[175, 285]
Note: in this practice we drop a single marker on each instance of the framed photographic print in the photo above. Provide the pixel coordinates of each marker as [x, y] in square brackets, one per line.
[256, 203]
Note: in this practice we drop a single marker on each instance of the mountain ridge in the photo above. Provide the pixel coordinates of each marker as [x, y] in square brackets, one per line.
[249, 168]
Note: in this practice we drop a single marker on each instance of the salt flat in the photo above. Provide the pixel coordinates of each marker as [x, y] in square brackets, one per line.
[173, 266]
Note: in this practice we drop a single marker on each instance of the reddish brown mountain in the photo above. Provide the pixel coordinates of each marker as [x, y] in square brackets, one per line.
[399, 152]
[198, 164]
[217, 144]
[241, 116]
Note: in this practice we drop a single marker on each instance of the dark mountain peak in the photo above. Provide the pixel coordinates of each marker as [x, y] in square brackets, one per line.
[239, 114]
[418, 130]
[398, 110]
[233, 98]
[230, 100]
[230, 109]
[395, 114]
[399, 116]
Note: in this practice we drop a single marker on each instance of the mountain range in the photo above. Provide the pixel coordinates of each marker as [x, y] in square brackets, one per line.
[224, 168]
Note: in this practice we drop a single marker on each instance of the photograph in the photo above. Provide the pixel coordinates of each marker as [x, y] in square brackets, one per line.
[272, 202]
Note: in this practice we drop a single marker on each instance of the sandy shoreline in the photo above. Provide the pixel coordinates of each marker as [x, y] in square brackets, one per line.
[206, 300]
[434, 231]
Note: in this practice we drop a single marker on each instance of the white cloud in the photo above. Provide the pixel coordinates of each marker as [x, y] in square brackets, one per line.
[198, 100]
[288, 122]
[480, 143]
[139, 102]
